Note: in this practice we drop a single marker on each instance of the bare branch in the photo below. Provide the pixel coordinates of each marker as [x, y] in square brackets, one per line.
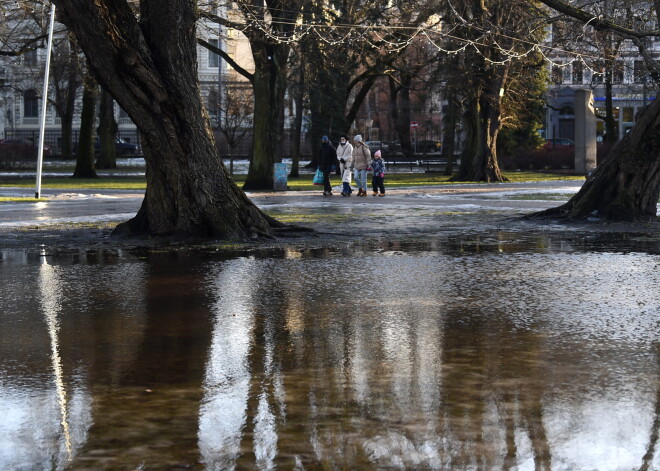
[597, 22]
[227, 58]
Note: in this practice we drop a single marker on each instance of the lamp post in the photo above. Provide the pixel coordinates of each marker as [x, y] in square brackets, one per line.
[44, 103]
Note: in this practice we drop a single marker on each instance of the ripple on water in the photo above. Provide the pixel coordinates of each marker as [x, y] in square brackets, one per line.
[350, 357]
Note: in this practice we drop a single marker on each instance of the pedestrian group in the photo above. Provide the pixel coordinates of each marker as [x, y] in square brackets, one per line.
[354, 160]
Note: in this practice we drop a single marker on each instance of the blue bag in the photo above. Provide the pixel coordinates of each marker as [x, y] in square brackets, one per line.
[318, 177]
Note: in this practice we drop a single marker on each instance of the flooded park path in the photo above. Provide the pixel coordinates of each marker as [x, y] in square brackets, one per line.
[457, 344]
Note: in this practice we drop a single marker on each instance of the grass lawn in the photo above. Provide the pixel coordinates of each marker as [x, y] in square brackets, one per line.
[59, 183]
[297, 184]
[11, 199]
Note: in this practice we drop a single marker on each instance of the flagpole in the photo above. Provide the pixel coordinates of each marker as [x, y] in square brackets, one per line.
[44, 103]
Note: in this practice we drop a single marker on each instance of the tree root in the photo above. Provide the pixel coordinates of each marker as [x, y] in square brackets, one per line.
[560, 212]
[280, 227]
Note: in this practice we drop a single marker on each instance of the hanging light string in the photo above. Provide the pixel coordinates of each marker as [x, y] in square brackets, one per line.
[376, 37]
[389, 37]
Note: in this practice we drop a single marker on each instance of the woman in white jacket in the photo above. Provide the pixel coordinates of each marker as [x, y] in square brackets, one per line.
[345, 157]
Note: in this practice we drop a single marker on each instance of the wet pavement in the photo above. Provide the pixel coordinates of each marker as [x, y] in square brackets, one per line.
[433, 330]
[62, 206]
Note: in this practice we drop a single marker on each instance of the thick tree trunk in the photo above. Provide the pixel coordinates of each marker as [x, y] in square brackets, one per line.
[65, 102]
[67, 137]
[85, 157]
[471, 126]
[107, 132]
[400, 112]
[298, 121]
[626, 185]
[150, 69]
[449, 136]
[479, 162]
[269, 87]
[66, 116]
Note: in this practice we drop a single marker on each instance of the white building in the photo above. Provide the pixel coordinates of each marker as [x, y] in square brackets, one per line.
[21, 84]
[632, 87]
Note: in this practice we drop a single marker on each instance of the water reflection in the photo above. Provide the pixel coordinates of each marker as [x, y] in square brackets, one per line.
[50, 289]
[480, 359]
[223, 413]
[474, 365]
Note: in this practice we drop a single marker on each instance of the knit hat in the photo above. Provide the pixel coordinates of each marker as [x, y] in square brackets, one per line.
[324, 139]
[377, 153]
[358, 138]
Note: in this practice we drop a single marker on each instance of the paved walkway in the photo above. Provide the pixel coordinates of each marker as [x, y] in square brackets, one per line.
[82, 206]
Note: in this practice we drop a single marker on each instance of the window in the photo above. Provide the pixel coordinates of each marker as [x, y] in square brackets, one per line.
[617, 73]
[639, 71]
[30, 104]
[214, 59]
[212, 106]
[577, 72]
[628, 114]
[559, 33]
[557, 74]
[598, 73]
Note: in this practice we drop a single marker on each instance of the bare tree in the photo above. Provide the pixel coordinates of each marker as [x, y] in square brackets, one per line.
[66, 81]
[236, 117]
[269, 26]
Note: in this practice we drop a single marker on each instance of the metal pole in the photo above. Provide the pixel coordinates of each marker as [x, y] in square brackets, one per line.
[44, 103]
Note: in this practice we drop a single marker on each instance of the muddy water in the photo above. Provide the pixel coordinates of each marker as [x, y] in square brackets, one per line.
[469, 354]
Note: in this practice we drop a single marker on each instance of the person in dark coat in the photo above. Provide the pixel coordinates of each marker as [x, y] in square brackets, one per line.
[327, 160]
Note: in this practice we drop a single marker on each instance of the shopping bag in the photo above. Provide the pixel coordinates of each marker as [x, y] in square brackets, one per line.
[318, 177]
[346, 176]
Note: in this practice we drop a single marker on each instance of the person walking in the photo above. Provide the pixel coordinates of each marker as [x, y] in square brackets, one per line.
[345, 156]
[378, 179]
[361, 158]
[327, 159]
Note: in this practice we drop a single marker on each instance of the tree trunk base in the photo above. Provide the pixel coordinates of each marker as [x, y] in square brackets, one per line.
[626, 185]
[139, 226]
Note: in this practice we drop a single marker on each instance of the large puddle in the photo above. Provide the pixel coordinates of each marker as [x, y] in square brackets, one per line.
[469, 354]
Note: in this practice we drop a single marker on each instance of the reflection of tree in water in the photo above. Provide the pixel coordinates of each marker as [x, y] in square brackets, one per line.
[338, 380]
[301, 361]
[147, 403]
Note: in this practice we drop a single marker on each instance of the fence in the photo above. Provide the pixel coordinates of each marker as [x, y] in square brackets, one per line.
[243, 149]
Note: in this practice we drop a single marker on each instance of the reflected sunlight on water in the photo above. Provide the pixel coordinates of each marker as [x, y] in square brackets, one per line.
[350, 358]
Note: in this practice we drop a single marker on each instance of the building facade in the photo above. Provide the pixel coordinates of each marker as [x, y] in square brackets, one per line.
[631, 85]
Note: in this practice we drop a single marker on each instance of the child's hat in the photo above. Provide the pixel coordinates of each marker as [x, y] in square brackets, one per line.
[377, 154]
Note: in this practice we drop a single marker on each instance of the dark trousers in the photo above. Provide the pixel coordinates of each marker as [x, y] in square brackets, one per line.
[378, 184]
[326, 180]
